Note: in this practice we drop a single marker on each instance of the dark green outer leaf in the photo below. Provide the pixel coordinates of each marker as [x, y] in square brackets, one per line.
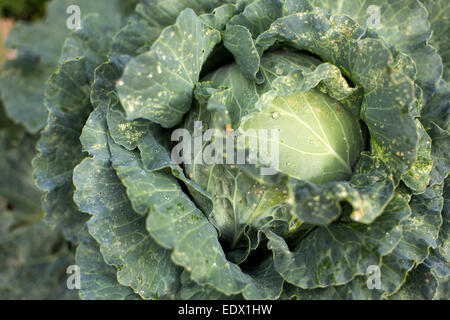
[420, 284]
[158, 85]
[192, 291]
[335, 254]
[220, 16]
[355, 290]
[154, 152]
[403, 25]
[420, 232]
[439, 265]
[443, 289]
[98, 280]
[436, 120]
[421, 229]
[120, 231]
[67, 97]
[437, 108]
[440, 153]
[258, 15]
[438, 15]
[418, 177]
[134, 38]
[59, 147]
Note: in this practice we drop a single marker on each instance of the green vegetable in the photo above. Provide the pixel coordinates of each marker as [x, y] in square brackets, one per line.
[152, 158]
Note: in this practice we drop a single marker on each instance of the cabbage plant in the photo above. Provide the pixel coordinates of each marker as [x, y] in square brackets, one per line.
[350, 99]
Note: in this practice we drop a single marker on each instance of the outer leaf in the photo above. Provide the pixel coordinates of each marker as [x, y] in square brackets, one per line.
[439, 265]
[438, 15]
[238, 40]
[440, 154]
[134, 38]
[420, 232]
[59, 147]
[120, 231]
[67, 98]
[403, 25]
[127, 133]
[192, 291]
[158, 84]
[420, 284]
[437, 108]
[258, 15]
[335, 254]
[418, 177]
[355, 290]
[220, 16]
[98, 280]
[154, 153]
[394, 271]
[421, 229]
[436, 120]
[443, 289]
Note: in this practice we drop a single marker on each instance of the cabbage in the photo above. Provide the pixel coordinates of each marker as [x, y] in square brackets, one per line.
[255, 149]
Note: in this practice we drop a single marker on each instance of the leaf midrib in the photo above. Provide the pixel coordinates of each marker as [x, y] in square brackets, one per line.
[305, 125]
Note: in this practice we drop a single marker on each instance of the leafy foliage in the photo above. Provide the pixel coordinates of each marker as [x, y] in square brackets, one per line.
[362, 113]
